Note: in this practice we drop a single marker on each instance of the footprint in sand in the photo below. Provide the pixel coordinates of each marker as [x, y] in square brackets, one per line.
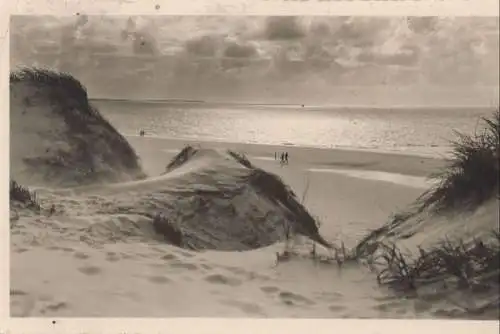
[169, 257]
[81, 256]
[112, 257]
[56, 307]
[221, 279]
[270, 289]
[159, 279]
[291, 298]
[90, 270]
[329, 296]
[247, 308]
[188, 266]
[245, 273]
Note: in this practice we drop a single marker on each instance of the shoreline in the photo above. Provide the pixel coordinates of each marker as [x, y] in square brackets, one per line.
[402, 163]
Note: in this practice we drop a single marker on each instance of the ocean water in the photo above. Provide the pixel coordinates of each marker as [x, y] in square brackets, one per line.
[423, 131]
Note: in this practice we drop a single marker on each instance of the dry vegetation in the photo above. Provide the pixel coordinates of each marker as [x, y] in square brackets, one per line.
[472, 173]
[171, 233]
[23, 196]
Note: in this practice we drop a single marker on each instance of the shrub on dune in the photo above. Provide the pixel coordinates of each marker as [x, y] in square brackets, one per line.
[472, 173]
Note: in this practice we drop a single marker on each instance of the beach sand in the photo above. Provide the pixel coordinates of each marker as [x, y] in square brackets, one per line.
[57, 269]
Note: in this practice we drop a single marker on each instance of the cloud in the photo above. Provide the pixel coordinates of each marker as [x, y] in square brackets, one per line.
[234, 49]
[204, 46]
[283, 28]
[144, 43]
[202, 55]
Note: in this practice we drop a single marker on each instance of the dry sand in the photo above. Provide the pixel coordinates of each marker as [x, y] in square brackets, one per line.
[70, 265]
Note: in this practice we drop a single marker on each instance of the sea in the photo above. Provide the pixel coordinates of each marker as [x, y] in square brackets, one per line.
[424, 131]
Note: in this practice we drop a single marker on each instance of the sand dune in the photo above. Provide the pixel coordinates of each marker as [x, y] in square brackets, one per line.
[59, 139]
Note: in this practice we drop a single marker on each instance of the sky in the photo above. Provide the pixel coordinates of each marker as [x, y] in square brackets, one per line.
[311, 60]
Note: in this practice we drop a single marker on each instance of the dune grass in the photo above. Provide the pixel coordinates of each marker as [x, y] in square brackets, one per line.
[169, 230]
[59, 80]
[471, 175]
[184, 155]
[23, 195]
[460, 264]
[241, 158]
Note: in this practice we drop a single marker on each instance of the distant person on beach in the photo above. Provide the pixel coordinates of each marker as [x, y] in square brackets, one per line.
[142, 133]
[286, 157]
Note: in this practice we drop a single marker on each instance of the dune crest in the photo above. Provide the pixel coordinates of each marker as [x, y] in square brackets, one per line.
[59, 139]
[211, 200]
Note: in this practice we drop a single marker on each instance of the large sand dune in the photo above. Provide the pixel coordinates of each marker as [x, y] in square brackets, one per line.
[58, 139]
[210, 197]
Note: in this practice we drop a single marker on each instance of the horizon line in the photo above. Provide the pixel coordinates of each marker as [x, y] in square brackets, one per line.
[303, 105]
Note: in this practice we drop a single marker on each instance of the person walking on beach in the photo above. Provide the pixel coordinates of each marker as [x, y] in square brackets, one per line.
[282, 158]
[286, 157]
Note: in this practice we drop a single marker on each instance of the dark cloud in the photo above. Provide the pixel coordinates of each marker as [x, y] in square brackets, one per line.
[283, 28]
[260, 55]
[422, 24]
[360, 32]
[236, 50]
[233, 63]
[320, 30]
[205, 46]
[144, 44]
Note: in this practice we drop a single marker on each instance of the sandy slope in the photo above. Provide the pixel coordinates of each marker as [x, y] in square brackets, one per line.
[57, 138]
[91, 262]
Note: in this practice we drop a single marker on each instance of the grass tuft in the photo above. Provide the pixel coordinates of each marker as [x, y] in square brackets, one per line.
[471, 175]
[241, 158]
[187, 152]
[169, 230]
[467, 265]
[23, 195]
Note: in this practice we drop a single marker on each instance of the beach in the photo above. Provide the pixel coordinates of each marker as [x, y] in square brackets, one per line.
[146, 181]
[148, 278]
